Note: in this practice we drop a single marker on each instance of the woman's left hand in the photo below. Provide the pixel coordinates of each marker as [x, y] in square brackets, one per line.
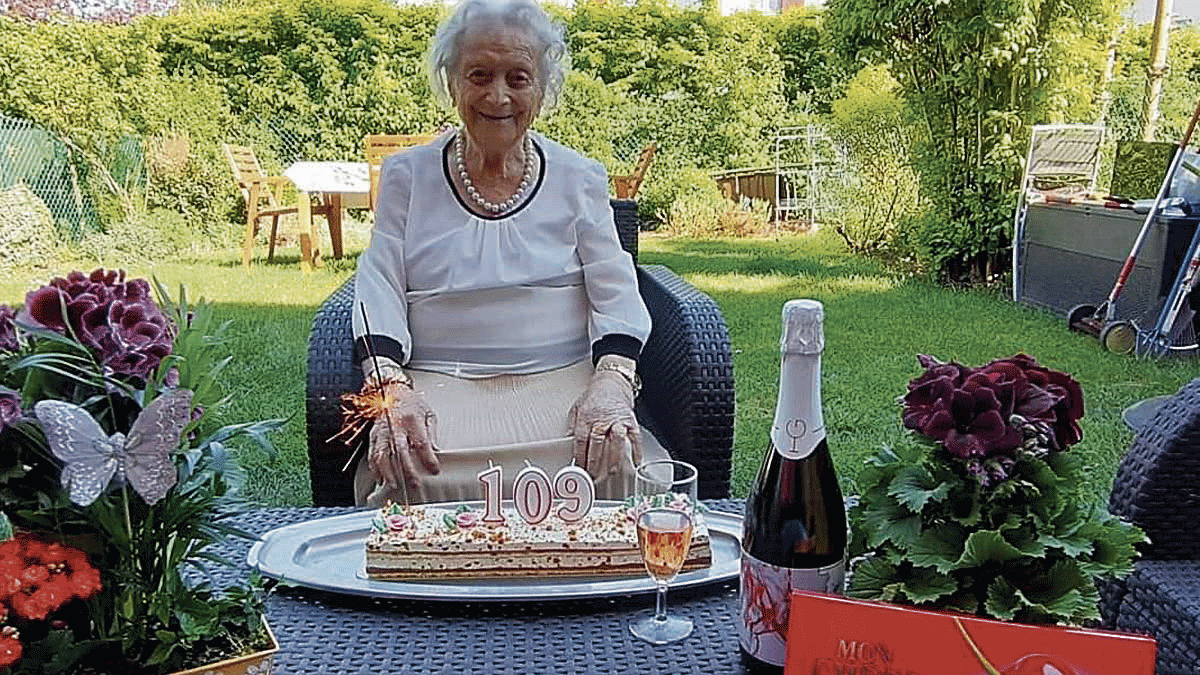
[602, 421]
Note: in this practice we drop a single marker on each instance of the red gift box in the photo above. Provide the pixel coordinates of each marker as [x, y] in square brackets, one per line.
[834, 635]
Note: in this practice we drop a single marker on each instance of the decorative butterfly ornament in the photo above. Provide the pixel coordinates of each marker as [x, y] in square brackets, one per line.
[92, 458]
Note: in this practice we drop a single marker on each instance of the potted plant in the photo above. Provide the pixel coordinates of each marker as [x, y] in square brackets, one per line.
[117, 481]
[980, 509]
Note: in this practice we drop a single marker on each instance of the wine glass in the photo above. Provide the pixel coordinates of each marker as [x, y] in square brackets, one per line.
[665, 503]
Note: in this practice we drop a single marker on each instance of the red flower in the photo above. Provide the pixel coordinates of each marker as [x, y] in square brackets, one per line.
[36, 577]
[9, 584]
[969, 424]
[32, 606]
[937, 382]
[51, 595]
[85, 581]
[10, 650]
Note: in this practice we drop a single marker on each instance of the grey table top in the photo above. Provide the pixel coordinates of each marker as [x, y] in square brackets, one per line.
[324, 632]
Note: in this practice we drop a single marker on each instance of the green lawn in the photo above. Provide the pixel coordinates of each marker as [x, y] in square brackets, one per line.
[876, 324]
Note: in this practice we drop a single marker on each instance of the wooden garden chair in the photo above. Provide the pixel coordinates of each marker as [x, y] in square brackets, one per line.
[626, 187]
[377, 147]
[264, 199]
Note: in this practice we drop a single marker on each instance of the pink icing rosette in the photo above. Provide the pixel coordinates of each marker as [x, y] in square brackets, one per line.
[467, 519]
[397, 522]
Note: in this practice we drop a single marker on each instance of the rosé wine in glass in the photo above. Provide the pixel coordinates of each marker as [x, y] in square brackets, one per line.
[664, 504]
[664, 537]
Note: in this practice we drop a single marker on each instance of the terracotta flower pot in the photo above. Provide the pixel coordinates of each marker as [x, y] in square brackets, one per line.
[258, 663]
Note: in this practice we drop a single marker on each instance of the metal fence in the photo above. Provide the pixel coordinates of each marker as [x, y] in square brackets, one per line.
[50, 169]
[73, 186]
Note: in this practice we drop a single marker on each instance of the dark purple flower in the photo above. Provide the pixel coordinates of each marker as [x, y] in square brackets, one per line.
[968, 422]
[10, 407]
[117, 319]
[971, 410]
[1042, 396]
[8, 329]
[938, 381]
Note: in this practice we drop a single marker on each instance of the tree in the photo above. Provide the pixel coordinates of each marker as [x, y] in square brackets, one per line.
[977, 74]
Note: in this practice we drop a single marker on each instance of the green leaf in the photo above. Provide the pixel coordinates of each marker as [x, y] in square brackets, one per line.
[888, 521]
[940, 548]
[1046, 486]
[924, 585]
[984, 546]
[886, 456]
[965, 505]
[55, 653]
[871, 475]
[1115, 544]
[161, 653]
[914, 487]
[875, 578]
[1073, 543]
[1003, 600]
[255, 431]
[1021, 533]
[1063, 593]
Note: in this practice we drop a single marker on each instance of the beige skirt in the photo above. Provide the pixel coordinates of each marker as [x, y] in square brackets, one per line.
[508, 420]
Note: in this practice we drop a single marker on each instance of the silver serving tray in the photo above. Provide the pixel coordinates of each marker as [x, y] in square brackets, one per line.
[328, 554]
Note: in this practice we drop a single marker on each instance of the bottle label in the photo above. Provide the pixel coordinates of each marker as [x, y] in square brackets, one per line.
[766, 592]
[795, 437]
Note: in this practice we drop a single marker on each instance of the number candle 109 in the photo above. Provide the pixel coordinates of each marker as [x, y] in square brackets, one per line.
[534, 493]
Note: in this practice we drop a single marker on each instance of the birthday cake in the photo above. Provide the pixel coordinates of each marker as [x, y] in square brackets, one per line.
[452, 542]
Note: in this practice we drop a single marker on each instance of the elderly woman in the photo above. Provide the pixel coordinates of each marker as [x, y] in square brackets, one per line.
[504, 316]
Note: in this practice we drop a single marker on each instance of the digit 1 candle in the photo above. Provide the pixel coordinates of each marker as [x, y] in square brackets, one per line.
[492, 479]
[531, 494]
[577, 491]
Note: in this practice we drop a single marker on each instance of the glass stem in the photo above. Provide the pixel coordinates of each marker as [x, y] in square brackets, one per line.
[660, 603]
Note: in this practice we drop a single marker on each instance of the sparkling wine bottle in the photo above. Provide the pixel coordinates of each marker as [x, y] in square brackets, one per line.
[794, 534]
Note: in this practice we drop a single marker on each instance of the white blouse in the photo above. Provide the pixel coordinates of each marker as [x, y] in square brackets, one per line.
[475, 296]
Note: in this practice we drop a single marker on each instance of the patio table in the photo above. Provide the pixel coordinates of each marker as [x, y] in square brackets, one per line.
[323, 632]
[337, 185]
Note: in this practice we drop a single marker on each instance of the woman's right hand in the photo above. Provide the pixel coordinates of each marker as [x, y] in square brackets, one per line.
[402, 442]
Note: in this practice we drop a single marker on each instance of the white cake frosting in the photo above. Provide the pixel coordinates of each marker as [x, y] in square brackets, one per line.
[433, 541]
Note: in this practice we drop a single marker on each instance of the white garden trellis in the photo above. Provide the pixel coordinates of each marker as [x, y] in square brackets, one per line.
[807, 162]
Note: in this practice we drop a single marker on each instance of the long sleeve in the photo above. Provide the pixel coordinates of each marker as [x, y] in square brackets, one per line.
[381, 282]
[618, 321]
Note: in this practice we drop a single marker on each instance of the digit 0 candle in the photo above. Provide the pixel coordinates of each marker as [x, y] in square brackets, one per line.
[532, 494]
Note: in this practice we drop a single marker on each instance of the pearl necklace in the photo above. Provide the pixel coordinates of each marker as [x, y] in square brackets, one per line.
[526, 179]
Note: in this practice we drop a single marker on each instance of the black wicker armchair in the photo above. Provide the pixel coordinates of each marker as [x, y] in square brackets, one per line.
[1157, 486]
[686, 369]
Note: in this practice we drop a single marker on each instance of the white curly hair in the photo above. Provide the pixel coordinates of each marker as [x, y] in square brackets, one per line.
[546, 34]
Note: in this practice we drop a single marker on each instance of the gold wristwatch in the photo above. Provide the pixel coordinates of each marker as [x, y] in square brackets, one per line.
[622, 366]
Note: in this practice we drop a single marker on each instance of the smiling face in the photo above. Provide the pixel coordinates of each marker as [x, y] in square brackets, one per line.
[496, 87]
